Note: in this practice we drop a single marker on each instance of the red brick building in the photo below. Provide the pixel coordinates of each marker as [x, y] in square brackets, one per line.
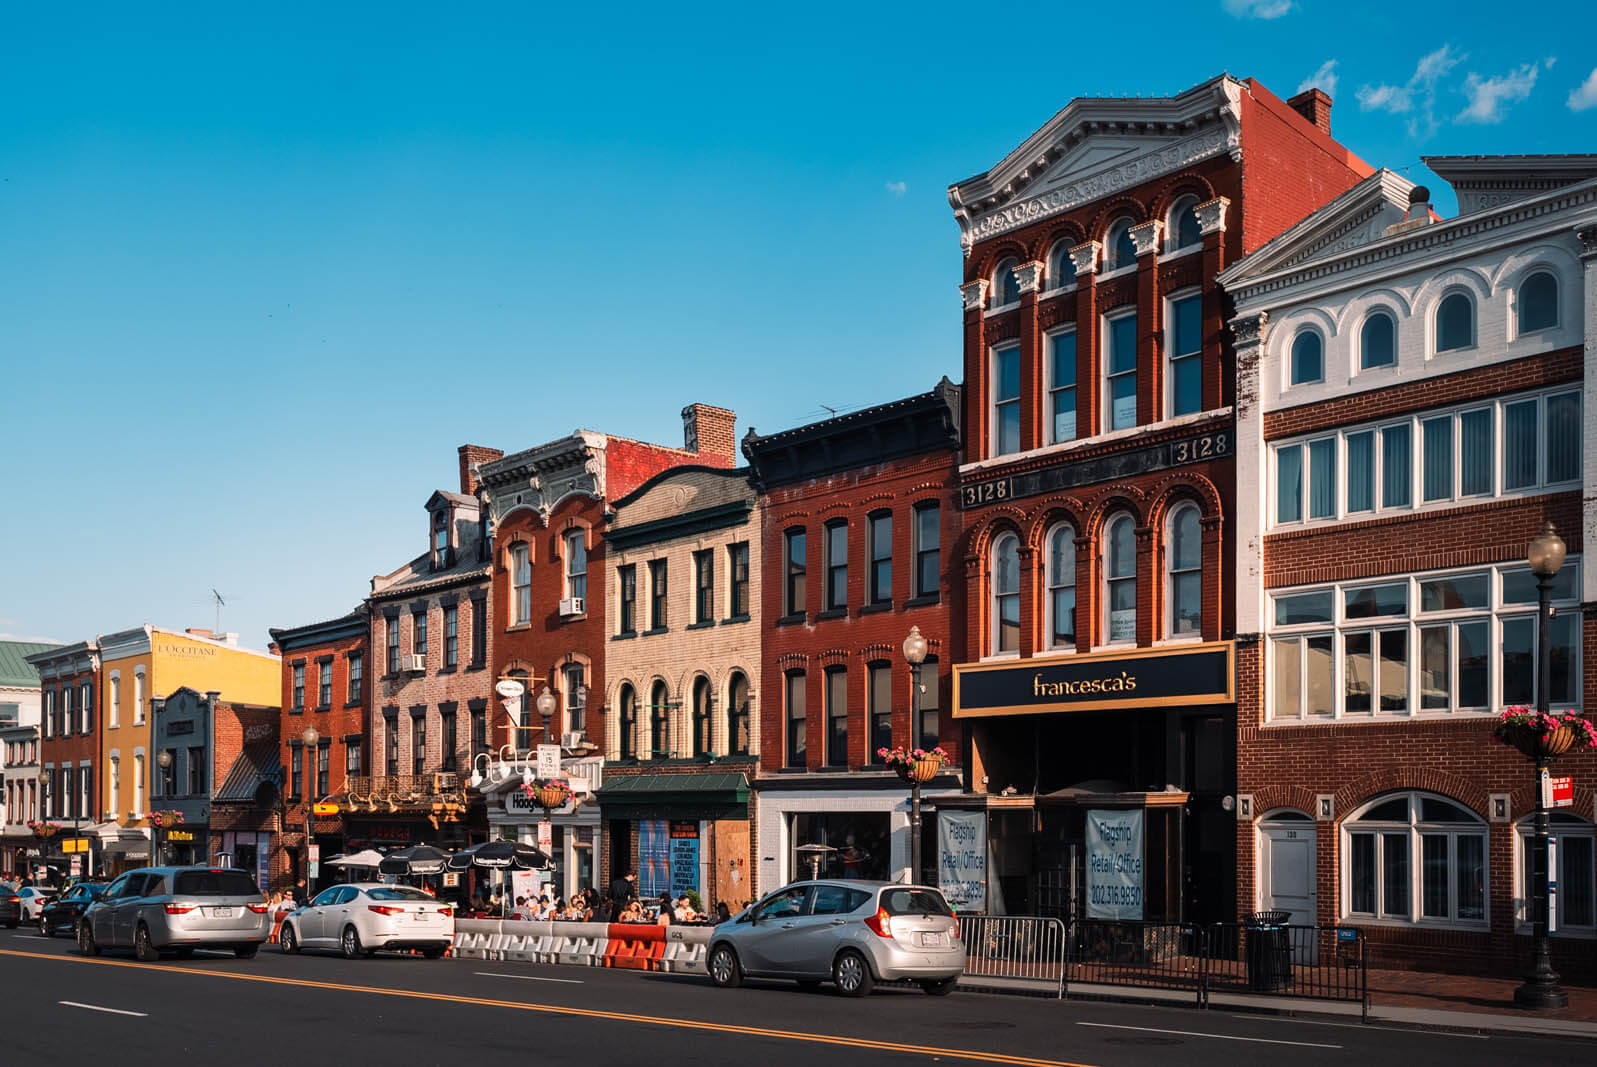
[548, 606]
[246, 795]
[859, 519]
[1414, 408]
[69, 744]
[326, 667]
[1096, 487]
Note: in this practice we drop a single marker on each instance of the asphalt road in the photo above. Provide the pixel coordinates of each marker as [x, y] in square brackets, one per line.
[300, 1011]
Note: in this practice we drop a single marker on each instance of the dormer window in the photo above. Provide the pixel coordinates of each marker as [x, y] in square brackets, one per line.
[440, 540]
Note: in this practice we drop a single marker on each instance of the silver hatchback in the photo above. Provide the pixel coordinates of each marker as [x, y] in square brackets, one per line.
[854, 933]
[180, 909]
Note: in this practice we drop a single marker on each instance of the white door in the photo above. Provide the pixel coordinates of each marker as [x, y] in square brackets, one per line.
[1287, 868]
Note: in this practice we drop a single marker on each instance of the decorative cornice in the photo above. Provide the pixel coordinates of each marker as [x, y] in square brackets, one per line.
[541, 477]
[1145, 237]
[974, 293]
[1084, 257]
[1211, 215]
[1249, 330]
[1029, 276]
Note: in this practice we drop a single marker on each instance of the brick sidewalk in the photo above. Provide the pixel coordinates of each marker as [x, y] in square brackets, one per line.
[1453, 992]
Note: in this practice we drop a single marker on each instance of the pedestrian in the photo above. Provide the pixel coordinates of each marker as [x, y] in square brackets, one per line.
[622, 892]
[300, 893]
[722, 912]
[663, 908]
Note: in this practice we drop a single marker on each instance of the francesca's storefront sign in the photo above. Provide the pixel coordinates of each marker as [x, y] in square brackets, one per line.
[1146, 677]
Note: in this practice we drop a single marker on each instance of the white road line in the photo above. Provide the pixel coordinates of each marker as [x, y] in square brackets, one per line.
[1220, 1037]
[529, 977]
[112, 1011]
[1299, 1021]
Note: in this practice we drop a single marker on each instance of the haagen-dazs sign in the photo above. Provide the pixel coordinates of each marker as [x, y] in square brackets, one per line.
[1151, 677]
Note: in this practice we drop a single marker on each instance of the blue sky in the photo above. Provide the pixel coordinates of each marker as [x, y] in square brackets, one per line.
[265, 269]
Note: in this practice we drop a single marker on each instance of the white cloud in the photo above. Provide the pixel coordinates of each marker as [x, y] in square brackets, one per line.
[30, 638]
[1417, 96]
[897, 188]
[1256, 9]
[1323, 79]
[1487, 96]
[1585, 97]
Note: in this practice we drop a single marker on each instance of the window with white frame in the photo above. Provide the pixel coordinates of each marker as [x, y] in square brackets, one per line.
[1184, 567]
[1458, 641]
[1184, 349]
[520, 583]
[113, 714]
[1006, 400]
[138, 696]
[1307, 361]
[1062, 386]
[1378, 340]
[1455, 322]
[1006, 286]
[1061, 578]
[1415, 858]
[1182, 232]
[1519, 444]
[576, 553]
[1061, 268]
[1576, 912]
[1006, 594]
[1120, 370]
[1537, 303]
[1120, 580]
[138, 783]
[1119, 250]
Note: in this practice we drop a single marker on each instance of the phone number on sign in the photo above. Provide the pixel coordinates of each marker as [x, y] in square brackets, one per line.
[1118, 896]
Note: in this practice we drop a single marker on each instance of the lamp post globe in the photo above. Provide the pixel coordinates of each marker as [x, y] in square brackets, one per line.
[165, 758]
[1546, 552]
[915, 647]
[310, 736]
[546, 707]
[914, 655]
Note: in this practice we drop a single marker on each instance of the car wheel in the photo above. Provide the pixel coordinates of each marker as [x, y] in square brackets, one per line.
[287, 941]
[941, 987]
[436, 952]
[246, 952]
[44, 928]
[143, 947]
[86, 944]
[725, 970]
[851, 974]
[349, 943]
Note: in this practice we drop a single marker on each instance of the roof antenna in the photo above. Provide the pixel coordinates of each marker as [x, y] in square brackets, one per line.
[830, 411]
[220, 603]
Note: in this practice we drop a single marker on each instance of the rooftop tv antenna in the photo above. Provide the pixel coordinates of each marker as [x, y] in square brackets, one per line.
[220, 604]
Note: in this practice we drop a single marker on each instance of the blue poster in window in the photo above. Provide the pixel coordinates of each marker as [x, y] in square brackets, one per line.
[684, 858]
[263, 862]
[654, 857]
[1114, 864]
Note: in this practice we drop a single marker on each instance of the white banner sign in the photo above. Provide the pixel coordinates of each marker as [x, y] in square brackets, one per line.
[1114, 864]
[962, 859]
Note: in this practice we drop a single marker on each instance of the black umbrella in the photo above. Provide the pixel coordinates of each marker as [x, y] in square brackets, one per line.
[417, 859]
[500, 855]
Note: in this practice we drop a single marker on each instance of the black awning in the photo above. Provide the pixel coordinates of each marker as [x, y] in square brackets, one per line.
[257, 765]
[659, 796]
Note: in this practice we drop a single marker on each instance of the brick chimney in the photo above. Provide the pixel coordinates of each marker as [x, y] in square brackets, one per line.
[470, 455]
[711, 432]
[1313, 105]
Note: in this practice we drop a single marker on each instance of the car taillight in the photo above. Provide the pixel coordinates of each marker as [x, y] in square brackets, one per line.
[180, 909]
[446, 912]
[13, 900]
[384, 909]
[881, 923]
[258, 909]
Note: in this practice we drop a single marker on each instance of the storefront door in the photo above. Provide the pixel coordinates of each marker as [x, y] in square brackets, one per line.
[1287, 867]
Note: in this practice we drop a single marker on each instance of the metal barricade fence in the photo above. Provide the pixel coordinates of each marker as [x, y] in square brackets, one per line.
[1014, 952]
[1149, 955]
[1283, 960]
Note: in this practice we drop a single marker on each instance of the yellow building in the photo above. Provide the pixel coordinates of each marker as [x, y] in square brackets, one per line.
[140, 665]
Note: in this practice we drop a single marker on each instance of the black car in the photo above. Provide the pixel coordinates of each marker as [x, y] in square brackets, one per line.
[10, 906]
[63, 912]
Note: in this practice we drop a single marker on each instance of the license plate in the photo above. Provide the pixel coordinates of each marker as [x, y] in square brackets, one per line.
[931, 940]
[222, 913]
[421, 916]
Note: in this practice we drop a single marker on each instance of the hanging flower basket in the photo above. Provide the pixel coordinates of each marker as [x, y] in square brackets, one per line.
[1543, 737]
[550, 794]
[44, 830]
[166, 818]
[914, 764]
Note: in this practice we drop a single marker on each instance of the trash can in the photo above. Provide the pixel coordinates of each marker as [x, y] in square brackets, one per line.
[1269, 951]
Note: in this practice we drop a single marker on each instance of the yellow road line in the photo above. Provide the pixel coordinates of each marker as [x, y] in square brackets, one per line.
[590, 1013]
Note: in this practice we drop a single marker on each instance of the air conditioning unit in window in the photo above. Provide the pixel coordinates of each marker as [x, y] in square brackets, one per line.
[415, 663]
[571, 740]
[571, 605]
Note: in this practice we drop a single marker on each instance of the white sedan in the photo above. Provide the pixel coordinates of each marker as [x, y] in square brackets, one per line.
[360, 918]
[33, 901]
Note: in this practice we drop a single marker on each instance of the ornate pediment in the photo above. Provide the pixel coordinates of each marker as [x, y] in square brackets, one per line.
[539, 478]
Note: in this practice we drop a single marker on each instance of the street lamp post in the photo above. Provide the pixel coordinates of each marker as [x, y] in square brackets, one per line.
[914, 655]
[546, 707]
[310, 737]
[164, 761]
[1541, 989]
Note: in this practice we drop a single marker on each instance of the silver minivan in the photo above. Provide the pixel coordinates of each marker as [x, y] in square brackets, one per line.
[854, 933]
[178, 909]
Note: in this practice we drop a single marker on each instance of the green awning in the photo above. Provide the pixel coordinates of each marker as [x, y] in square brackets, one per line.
[682, 796]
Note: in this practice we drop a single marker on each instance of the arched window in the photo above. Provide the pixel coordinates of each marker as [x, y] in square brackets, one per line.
[1377, 341]
[1062, 587]
[1061, 268]
[1538, 302]
[1006, 287]
[1417, 858]
[1118, 249]
[1181, 228]
[1576, 912]
[1120, 579]
[1455, 322]
[659, 723]
[737, 715]
[701, 717]
[1308, 358]
[1006, 593]
[1184, 561]
[629, 722]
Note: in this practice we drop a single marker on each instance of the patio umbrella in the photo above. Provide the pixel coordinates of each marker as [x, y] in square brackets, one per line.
[366, 858]
[499, 855]
[417, 859]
